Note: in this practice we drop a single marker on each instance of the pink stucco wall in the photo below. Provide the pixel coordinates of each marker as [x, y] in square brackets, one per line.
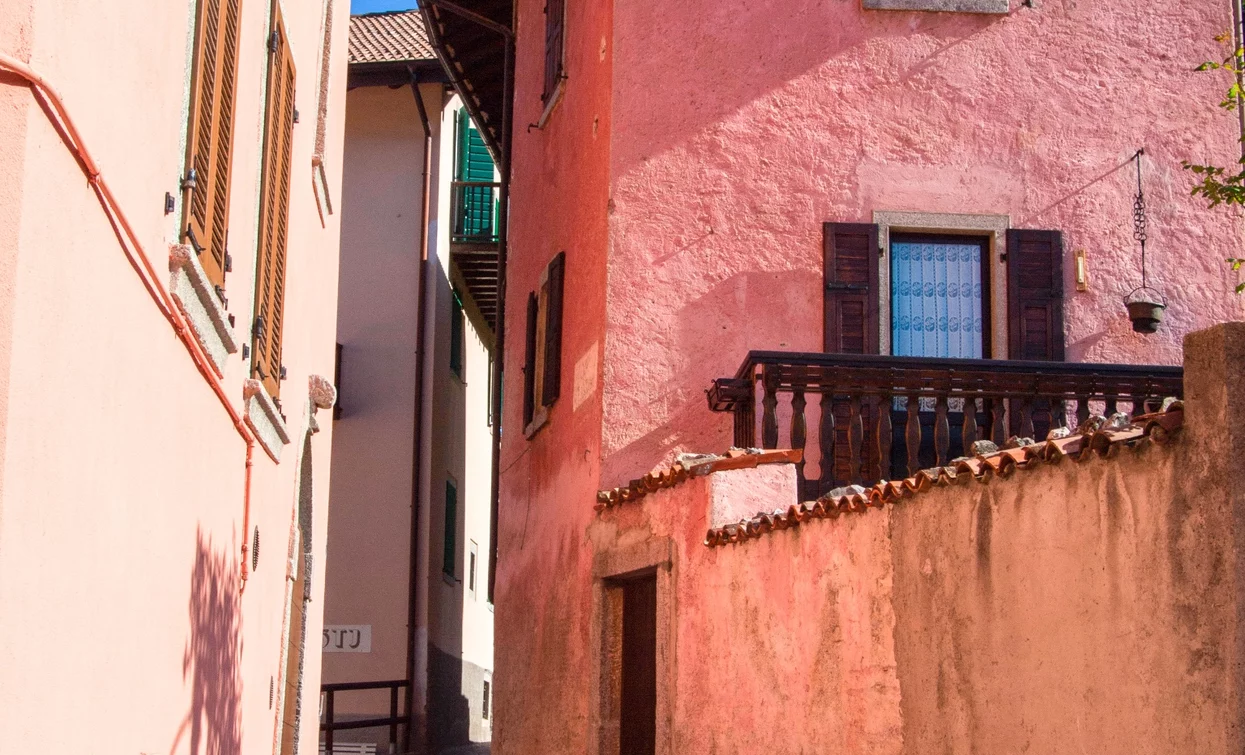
[687, 172]
[121, 506]
[731, 149]
[1085, 606]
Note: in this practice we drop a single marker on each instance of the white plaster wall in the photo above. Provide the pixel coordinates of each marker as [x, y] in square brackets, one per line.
[369, 529]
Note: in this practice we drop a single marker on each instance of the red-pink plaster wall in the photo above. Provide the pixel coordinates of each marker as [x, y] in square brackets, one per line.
[1080, 606]
[732, 146]
[697, 150]
[559, 203]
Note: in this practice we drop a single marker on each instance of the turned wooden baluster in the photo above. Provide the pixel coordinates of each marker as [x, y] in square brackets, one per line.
[826, 434]
[855, 437]
[912, 435]
[1026, 417]
[769, 404]
[969, 429]
[942, 430]
[998, 429]
[799, 431]
[1082, 409]
[885, 404]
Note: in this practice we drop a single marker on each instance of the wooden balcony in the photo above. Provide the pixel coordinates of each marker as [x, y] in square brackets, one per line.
[881, 417]
[474, 240]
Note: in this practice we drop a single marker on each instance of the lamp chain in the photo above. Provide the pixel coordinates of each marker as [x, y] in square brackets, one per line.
[1139, 217]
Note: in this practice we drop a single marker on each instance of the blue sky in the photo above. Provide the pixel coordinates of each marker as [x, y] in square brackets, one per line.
[372, 6]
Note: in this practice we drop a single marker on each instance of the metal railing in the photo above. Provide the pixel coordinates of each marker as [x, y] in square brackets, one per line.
[928, 422]
[475, 206]
[329, 723]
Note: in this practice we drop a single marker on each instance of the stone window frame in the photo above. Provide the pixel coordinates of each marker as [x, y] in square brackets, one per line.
[997, 7]
[994, 227]
[610, 569]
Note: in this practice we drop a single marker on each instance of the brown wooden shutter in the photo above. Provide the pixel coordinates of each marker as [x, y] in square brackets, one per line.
[210, 138]
[552, 383]
[851, 327]
[555, 17]
[274, 207]
[1035, 295]
[529, 361]
[851, 275]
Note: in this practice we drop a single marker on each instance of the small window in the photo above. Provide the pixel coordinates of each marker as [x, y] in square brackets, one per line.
[456, 335]
[542, 369]
[940, 293]
[274, 212]
[451, 528]
[471, 569]
[337, 382]
[486, 700]
[555, 28]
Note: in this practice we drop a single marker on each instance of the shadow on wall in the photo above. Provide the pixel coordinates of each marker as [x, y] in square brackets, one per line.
[749, 50]
[449, 713]
[211, 664]
[711, 344]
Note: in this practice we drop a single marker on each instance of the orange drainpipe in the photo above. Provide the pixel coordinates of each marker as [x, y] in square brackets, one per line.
[50, 99]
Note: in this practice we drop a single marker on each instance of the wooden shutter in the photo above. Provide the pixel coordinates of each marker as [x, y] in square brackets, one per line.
[274, 209]
[851, 327]
[555, 25]
[552, 383]
[851, 300]
[529, 361]
[210, 137]
[1035, 295]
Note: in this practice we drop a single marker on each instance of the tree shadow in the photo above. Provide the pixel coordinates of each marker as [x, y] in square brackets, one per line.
[212, 660]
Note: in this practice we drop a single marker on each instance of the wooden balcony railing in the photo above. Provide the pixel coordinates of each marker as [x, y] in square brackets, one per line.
[474, 205]
[882, 417]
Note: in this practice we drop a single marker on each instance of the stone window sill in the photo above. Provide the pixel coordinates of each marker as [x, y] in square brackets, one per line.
[198, 301]
[943, 6]
[552, 102]
[538, 421]
[264, 419]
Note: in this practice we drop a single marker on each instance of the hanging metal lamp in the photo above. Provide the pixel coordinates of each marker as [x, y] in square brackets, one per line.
[1145, 305]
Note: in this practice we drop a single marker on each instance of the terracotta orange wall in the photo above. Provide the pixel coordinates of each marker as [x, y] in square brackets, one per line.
[732, 147]
[1079, 607]
[559, 202]
[121, 506]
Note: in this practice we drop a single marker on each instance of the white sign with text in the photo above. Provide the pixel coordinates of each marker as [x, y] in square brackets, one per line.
[347, 638]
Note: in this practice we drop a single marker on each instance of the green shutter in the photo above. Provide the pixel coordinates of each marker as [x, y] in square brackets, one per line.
[476, 213]
[451, 527]
[456, 334]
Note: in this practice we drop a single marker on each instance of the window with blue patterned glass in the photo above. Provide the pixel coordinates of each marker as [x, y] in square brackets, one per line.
[939, 296]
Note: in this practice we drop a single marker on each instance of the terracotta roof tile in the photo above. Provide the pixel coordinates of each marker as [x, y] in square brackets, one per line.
[693, 465]
[1144, 430]
[389, 37]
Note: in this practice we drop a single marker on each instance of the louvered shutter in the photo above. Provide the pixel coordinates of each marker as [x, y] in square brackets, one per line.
[851, 277]
[529, 361]
[274, 204]
[210, 138]
[552, 384]
[555, 18]
[1035, 295]
[851, 327]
